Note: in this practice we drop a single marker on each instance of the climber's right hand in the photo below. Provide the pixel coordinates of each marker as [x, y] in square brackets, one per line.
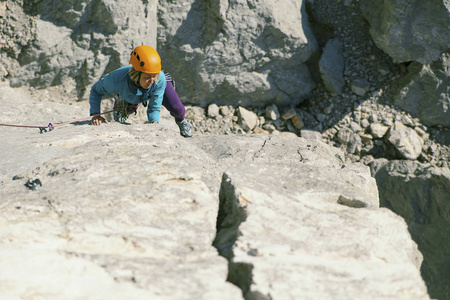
[98, 120]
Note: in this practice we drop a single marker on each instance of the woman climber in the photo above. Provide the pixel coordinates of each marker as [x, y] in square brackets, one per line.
[141, 82]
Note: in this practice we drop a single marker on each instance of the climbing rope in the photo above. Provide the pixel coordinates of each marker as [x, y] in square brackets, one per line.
[51, 127]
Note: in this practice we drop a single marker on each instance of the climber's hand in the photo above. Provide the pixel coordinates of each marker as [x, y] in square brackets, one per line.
[98, 120]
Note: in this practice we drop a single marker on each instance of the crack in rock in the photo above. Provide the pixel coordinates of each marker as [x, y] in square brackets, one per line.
[232, 212]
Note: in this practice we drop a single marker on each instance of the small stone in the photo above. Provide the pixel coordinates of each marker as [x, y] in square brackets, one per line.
[213, 111]
[289, 114]
[366, 137]
[226, 110]
[378, 130]
[297, 121]
[355, 127]
[327, 110]
[422, 133]
[360, 86]
[354, 145]
[367, 160]
[269, 127]
[344, 135]
[407, 121]
[248, 120]
[365, 123]
[321, 117]
[272, 112]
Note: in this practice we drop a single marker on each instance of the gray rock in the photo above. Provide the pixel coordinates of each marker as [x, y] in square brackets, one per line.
[131, 211]
[226, 110]
[79, 41]
[119, 215]
[213, 111]
[272, 112]
[331, 66]
[360, 86]
[244, 53]
[406, 140]
[354, 145]
[409, 30]
[424, 92]
[289, 113]
[344, 135]
[378, 130]
[248, 120]
[365, 123]
[420, 193]
[355, 127]
[264, 256]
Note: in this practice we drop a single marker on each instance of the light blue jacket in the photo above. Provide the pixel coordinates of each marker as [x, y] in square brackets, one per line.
[119, 81]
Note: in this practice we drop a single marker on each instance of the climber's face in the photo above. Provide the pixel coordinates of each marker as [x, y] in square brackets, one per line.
[147, 80]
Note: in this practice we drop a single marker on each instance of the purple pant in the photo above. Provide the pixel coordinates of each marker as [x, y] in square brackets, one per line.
[172, 102]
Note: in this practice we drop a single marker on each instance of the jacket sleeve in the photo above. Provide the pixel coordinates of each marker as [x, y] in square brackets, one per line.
[156, 99]
[101, 88]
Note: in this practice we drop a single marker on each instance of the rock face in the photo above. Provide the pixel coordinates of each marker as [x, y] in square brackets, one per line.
[76, 42]
[416, 31]
[304, 187]
[240, 52]
[132, 212]
[424, 92]
[409, 30]
[420, 193]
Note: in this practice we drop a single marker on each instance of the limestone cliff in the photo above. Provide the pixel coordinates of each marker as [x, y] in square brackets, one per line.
[368, 77]
[137, 212]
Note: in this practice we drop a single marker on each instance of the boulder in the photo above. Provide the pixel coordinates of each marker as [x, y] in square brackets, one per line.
[424, 92]
[248, 53]
[409, 30]
[406, 140]
[420, 194]
[331, 66]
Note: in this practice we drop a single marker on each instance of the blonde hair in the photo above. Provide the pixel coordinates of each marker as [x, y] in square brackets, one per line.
[136, 76]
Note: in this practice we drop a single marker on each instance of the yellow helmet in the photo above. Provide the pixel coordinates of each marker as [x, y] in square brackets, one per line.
[146, 59]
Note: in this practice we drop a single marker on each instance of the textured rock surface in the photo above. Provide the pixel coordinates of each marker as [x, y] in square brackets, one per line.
[407, 142]
[192, 35]
[123, 212]
[420, 193]
[424, 92]
[331, 66]
[237, 52]
[76, 41]
[304, 187]
[409, 30]
[131, 212]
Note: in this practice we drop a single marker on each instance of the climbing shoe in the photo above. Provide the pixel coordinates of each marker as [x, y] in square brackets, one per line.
[185, 128]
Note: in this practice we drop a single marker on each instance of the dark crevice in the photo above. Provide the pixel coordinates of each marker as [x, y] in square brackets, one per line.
[231, 214]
